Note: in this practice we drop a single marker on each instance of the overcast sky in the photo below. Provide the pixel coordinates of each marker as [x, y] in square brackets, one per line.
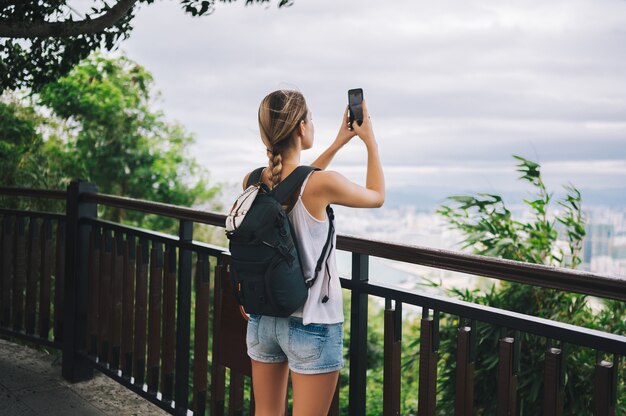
[454, 87]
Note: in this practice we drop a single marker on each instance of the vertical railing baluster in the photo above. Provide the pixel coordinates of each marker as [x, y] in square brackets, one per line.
[95, 246]
[7, 270]
[201, 335]
[184, 315]
[46, 278]
[2, 262]
[507, 378]
[154, 317]
[139, 350]
[75, 367]
[553, 394]
[358, 336]
[429, 344]
[128, 305]
[32, 271]
[235, 394]
[465, 363]
[392, 346]
[169, 324]
[117, 276]
[104, 293]
[59, 277]
[605, 386]
[19, 277]
[218, 371]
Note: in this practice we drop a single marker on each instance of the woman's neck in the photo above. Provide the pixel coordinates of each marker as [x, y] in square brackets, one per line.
[291, 157]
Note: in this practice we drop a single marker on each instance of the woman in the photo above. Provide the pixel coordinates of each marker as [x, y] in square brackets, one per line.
[309, 342]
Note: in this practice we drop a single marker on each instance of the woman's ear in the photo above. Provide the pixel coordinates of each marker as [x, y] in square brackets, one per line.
[301, 129]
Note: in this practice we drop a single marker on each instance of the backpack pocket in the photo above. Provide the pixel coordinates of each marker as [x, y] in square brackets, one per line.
[285, 285]
[274, 288]
[248, 280]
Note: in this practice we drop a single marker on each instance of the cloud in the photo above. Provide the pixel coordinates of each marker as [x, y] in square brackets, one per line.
[454, 88]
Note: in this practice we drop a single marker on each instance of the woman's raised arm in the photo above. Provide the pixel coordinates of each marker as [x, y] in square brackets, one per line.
[339, 190]
[343, 136]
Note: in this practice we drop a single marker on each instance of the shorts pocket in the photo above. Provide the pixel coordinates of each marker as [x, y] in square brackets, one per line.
[306, 342]
[252, 332]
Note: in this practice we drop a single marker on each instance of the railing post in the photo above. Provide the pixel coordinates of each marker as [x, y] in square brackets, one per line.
[605, 386]
[553, 394]
[183, 317]
[358, 336]
[76, 368]
[465, 365]
[392, 365]
[429, 345]
[507, 376]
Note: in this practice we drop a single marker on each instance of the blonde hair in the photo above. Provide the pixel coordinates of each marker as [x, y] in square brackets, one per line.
[280, 114]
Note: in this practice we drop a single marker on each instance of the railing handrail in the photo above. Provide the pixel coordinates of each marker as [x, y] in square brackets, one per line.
[159, 208]
[504, 318]
[32, 192]
[570, 280]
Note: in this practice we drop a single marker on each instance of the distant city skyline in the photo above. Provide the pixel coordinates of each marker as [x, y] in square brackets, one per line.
[603, 251]
[454, 88]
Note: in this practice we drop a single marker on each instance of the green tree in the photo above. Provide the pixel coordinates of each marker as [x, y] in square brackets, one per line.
[19, 140]
[490, 229]
[27, 159]
[102, 129]
[41, 40]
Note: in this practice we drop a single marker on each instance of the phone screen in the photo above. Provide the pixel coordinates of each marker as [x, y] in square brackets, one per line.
[355, 100]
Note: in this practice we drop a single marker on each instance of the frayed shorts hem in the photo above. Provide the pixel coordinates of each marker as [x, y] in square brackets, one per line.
[266, 360]
[321, 370]
[307, 371]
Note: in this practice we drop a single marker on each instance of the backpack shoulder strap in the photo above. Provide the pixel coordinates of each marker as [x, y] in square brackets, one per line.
[255, 176]
[325, 256]
[288, 186]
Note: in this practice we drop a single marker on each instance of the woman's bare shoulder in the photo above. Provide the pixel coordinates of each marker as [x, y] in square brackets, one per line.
[324, 179]
[329, 176]
[245, 180]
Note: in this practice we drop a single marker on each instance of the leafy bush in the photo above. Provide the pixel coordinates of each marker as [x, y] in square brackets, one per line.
[491, 230]
[98, 123]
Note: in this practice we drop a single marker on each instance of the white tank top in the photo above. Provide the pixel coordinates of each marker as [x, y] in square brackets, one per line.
[311, 235]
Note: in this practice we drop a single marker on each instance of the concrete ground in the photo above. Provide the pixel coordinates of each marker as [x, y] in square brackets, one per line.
[31, 384]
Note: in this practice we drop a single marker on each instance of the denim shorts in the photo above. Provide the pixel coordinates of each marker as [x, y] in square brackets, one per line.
[309, 349]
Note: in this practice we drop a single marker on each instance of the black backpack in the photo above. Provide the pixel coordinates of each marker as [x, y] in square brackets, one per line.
[265, 266]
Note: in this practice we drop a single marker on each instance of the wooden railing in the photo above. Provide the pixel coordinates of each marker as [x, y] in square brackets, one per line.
[120, 299]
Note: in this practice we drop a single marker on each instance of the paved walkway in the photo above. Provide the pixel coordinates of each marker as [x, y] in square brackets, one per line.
[31, 384]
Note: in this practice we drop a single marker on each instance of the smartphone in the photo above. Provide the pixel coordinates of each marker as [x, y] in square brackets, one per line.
[355, 106]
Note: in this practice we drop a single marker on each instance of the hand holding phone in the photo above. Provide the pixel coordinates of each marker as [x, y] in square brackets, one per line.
[355, 106]
[364, 130]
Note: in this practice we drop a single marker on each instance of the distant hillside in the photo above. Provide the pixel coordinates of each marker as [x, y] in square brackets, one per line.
[426, 199]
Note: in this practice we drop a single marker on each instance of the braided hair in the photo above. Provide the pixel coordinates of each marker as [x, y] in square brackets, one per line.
[280, 114]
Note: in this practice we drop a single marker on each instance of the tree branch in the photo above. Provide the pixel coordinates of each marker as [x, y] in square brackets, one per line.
[16, 29]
